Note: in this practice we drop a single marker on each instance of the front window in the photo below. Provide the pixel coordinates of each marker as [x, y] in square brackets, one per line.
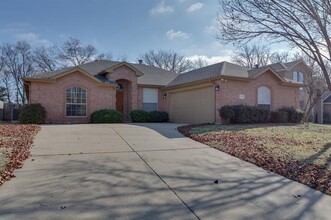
[297, 76]
[264, 97]
[150, 99]
[75, 102]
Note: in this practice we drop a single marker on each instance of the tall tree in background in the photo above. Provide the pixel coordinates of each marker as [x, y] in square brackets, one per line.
[281, 57]
[45, 59]
[72, 52]
[303, 24]
[18, 63]
[249, 56]
[166, 59]
[199, 63]
[3, 94]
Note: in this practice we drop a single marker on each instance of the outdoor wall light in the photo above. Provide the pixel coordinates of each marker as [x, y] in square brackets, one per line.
[217, 88]
[165, 95]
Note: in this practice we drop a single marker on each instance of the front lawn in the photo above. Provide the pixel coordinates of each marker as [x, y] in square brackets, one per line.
[297, 152]
[15, 144]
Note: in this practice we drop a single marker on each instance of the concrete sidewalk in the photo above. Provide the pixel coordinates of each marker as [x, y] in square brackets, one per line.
[147, 171]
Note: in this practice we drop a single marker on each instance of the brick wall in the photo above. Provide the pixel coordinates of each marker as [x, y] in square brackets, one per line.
[52, 97]
[281, 95]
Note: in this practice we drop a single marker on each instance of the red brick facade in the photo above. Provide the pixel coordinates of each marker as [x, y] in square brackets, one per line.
[281, 95]
[52, 96]
[103, 96]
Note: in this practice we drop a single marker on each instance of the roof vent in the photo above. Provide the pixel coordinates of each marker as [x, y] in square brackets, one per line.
[140, 61]
[256, 65]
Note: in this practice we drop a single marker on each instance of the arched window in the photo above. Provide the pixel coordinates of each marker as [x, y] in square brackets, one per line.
[75, 102]
[264, 97]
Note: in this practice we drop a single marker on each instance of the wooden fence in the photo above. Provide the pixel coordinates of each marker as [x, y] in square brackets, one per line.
[10, 112]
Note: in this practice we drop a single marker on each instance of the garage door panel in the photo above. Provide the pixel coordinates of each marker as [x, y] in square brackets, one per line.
[193, 106]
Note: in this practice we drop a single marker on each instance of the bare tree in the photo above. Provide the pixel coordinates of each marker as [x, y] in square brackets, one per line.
[199, 63]
[18, 63]
[45, 59]
[166, 59]
[303, 24]
[3, 94]
[315, 85]
[105, 56]
[250, 56]
[122, 57]
[72, 52]
[280, 57]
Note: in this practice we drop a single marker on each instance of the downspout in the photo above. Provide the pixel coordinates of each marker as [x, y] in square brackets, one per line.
[215, 84]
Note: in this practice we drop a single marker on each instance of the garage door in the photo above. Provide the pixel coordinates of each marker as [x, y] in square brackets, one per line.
[193, 106]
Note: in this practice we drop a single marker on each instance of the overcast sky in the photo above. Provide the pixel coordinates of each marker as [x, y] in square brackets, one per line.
[128, 27]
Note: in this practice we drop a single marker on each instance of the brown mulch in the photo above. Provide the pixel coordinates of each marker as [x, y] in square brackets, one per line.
[251, 149]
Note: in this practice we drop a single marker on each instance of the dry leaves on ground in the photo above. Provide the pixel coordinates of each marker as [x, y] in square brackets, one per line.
[18, 140]
[251, 149]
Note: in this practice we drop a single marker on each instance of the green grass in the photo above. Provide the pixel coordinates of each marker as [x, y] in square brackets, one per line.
[311, 144]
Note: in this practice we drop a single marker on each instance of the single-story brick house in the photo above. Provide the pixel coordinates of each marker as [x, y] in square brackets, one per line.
[72, 94]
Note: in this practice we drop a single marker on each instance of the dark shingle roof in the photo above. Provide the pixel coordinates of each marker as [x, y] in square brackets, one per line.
[218, 69]
[152, 75]
[327, 97]
[293, 63]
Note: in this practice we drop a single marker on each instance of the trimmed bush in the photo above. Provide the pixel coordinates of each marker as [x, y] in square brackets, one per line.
[154, 116]
[140, 116]
[294, 115]
[107, 116]
[158, 116]
[243, 114]
[279, 117]
[227, 112]
[32, 114]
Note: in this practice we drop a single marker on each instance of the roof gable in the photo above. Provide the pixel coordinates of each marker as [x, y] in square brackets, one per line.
[327, 99]
[266, 69]
[118, 65]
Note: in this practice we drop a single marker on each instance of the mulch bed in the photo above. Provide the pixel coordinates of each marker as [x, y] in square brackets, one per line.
[19, 139]
[251, 149]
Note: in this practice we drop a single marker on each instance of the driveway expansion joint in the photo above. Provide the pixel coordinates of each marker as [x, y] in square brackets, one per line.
[169, 187]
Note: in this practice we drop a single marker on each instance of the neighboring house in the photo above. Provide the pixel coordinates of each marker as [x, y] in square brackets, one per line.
[72, 94]
[326, 107]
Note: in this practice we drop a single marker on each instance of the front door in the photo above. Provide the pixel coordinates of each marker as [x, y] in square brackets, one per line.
[119, 101]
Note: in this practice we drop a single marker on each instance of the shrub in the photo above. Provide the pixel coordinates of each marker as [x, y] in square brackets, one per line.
[32, 114]
[241, 114]
[106, 116]
[158, 116]
[140, 116]
[154, 116]
[279, 117]
[227, 112]
[294, 115]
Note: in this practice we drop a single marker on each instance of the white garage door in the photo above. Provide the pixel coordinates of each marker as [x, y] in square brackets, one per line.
[193, 106]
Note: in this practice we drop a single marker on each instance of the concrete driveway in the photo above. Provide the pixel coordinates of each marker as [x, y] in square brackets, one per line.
[148, 171]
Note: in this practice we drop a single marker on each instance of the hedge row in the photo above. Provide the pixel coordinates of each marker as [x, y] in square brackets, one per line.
[154, 116]
[244, 114]
[36, 114]
[107, 116]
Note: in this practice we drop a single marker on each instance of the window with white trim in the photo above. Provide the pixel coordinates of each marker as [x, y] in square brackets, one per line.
[150, 99]
[264, 97]
[75, 102]
[297, 76]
